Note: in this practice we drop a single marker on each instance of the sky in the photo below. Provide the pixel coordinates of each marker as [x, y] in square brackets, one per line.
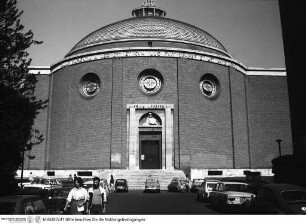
[250, 30]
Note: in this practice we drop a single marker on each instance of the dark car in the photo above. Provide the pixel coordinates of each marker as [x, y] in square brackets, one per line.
[195, 185]
[278, 199]
[55, 200]
[177, 185]
[22, 204]
[121, 185]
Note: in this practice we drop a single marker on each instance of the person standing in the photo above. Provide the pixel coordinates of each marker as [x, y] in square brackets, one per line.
[97, 198]
[111, 183]
[70, 180]
[77, 198]
[31, 178]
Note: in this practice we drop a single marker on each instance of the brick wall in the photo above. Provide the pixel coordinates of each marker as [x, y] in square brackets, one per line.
[234, 130]
[269, 118]
[239, 116]
[118, 158]
[81, 128]
[205, 125]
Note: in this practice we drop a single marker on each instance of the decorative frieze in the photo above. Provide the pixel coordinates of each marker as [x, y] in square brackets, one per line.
[150, 106]
[139, 53]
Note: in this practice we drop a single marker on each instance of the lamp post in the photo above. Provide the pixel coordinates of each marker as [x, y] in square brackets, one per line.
[279, 146]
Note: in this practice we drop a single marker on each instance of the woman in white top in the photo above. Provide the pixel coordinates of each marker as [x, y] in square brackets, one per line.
[77, 198]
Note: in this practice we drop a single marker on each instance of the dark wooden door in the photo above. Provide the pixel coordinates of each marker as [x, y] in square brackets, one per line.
[150, 156]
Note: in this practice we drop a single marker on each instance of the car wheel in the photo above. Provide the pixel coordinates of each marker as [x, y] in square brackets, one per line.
[198, 197]
[212, 204]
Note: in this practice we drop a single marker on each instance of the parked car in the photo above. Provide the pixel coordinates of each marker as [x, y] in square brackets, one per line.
[185, 185]
[55, 200]
[44, 183]
[195, 185]
[152, 185]
[177, 185]
[22, 204]
[121, 185]
[88, 184]
[229, 194]
[278, 199]
[205, 188]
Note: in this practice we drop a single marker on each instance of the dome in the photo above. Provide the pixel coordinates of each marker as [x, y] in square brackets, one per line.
[149, 28]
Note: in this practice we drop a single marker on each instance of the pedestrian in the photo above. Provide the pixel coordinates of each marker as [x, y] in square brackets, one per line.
[77, 198]
[97, 198]
[74, 176]
[111, 183]
[31, 178]
[70, 180]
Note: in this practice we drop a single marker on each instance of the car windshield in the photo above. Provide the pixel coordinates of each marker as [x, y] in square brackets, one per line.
[197, 181]
[120, 182]
[40, 181]
[151, 181]
[291, 196]
[7, 207]
[174, 182]
[235, 187]
[211, 186]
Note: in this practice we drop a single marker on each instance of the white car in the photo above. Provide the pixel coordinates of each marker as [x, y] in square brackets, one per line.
[228, 194]
[43, 183]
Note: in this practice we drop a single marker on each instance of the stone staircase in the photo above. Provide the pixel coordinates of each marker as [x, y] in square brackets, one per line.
[136, 178]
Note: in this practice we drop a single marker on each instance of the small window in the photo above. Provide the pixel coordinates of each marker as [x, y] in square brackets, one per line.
[89, 85]
[209, 86]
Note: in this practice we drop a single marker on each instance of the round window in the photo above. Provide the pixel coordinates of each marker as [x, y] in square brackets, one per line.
[209, 85]
[89, 85]
[150, 81]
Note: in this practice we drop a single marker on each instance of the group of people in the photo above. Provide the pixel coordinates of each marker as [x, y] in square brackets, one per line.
[84, 202]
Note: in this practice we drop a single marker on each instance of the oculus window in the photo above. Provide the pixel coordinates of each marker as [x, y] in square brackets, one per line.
[150, 81]
[209, 86]
[89, 85]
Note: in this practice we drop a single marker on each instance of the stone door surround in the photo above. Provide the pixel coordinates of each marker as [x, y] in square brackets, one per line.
[165, 113]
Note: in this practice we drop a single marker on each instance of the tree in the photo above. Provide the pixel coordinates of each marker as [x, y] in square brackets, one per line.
[290, 169]
[18, 105]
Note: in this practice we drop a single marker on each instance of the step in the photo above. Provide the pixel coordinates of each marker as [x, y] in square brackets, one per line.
[136, 178]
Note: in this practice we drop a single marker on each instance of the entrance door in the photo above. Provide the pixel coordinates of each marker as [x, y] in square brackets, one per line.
[150, 151]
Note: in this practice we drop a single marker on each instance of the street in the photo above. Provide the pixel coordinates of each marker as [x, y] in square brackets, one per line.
[167, 203]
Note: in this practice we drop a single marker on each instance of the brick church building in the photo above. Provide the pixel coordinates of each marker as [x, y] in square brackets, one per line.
[153, 93]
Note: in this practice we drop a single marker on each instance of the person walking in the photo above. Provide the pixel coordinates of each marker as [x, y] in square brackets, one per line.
[97, 198]
[111, 183]
[77, 198]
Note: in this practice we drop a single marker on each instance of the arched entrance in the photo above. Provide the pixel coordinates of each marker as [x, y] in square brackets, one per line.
[150, 141]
